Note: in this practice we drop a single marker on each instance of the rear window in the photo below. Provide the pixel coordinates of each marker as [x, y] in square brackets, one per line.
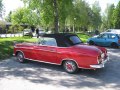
[74, 40]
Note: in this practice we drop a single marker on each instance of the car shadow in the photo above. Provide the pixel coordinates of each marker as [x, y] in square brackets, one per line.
[42, 73]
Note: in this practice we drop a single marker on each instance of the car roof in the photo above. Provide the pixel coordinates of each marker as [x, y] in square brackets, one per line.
[60, 35]
[110, 33]
[61, 38]
[114, 29]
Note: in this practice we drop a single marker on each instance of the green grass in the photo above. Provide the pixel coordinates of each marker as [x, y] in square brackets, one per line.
[83, 37]
[6, 44]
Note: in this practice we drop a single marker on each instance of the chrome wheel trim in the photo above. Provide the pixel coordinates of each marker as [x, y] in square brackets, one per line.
[20, 57]
[70, 66]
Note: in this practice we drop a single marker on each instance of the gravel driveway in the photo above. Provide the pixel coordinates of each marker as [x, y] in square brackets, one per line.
[40, 76]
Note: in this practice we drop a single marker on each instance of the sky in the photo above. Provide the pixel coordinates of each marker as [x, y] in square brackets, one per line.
[11, 5]
[103, 3]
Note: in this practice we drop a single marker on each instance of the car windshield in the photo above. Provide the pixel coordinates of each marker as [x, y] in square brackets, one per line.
[75, 40]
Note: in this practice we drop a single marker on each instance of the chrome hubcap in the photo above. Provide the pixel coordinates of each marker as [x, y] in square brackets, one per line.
[70, 66]
[20, 57]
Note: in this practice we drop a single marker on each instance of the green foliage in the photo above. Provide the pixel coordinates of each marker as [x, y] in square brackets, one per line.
[116, 17]
[1, 8]
[110, 11]
[6, 45]
[8, 18]
[15, 29]
[2, 25]
[24, 15]
[111, 18]
[81, 14]
[69, 13]
[83, 37]
[107, 18]
[96, 15]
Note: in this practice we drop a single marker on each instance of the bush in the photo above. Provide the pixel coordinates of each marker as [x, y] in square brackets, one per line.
[2, 26]
[15, 29]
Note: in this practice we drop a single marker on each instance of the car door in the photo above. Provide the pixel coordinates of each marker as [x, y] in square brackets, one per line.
[112, 38]
[46, 50]
[102, 40]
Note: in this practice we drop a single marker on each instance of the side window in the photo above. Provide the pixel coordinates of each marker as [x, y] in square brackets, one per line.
[112, 36]
[48, 42]
[104, 36]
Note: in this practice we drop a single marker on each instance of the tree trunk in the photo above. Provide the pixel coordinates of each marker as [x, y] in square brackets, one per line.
[56, 17]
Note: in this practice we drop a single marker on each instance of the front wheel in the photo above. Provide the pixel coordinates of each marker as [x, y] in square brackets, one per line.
[70, 66]
[20, 57]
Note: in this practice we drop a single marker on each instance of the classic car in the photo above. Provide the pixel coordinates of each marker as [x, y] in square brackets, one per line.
[111, 39]
[63, 49]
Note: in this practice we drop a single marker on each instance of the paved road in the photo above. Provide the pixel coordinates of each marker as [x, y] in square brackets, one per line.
[39, 76]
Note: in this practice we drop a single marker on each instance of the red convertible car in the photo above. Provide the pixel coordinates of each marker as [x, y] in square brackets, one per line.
[62, 49]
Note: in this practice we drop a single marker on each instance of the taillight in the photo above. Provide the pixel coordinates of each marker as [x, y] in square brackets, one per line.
[118, 41]
[99, 59]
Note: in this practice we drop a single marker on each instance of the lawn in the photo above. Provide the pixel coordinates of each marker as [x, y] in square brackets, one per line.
[83, 37]
[6, 44]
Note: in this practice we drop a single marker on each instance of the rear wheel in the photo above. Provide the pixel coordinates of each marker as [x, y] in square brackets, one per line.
[20, 57]
[91, 43]
[114, 45]
[70, 66]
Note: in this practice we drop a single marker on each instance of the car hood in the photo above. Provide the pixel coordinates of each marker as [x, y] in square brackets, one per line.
[87, 49]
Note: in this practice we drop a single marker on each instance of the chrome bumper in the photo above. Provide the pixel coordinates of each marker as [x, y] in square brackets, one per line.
[13, 54]
[100, 65]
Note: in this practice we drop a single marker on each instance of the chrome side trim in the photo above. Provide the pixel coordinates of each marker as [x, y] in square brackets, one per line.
[23, 47]
[54, 63]
[42, 61]
[47, 50]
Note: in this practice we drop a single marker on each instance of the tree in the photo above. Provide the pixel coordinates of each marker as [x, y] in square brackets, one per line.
[96, 14]
[8, 18]
[25, 16]
[59, 14]
[1, 8]
[65, 9]
[109, 15]
[53, 13]
[56, 17]
[116, 16]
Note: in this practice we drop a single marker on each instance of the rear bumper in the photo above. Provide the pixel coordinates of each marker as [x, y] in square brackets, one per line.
[100, 65]
[13, 54]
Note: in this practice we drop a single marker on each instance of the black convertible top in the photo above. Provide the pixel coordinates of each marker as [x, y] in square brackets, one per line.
[62, 39]
[60, 35]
